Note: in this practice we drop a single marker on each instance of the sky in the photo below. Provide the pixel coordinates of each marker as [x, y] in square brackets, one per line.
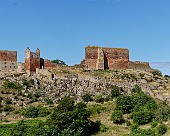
[62, 28]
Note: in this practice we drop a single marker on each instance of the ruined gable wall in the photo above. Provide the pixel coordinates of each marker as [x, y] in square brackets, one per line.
[91, 56]
[117, 58]
[8, 60]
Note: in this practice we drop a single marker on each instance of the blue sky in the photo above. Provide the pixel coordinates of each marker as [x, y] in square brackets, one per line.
[62, 28]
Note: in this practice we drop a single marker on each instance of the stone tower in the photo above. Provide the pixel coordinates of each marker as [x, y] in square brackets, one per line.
[32, 61]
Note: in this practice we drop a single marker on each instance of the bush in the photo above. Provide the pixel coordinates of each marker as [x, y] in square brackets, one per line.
[43, 112]
[87, 98]
[143, 116]
[30, 112]
[124, 103]
[8, 101]
[115, 91]
[162, 129]
[156, 73]
[162, 113]
[103, 128]
[117, 117]
[136, 89]
[96, 109]
[11, 85]
[48, 101]
[99, 98]
[7, 108]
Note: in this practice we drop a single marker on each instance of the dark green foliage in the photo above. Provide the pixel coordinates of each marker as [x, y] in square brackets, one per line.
[7, 108]
[34, 112]
[43, 112]
[68, 116]
[156, 73]
[115, 91]
[99, 98]
[162, 113]
[136, 89]
[57, 61]
[142, 116]
[11, 85]
[28, 83]
[1, 98]
[87, 98]
[8, 101]
[103, 128]
[124, 103]
[31, 112]
[162, 129]
[48, 101]
[117, 117]
[96, 109]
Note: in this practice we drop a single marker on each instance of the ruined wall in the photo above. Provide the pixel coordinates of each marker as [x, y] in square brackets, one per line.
[49, 65]
[32, 61]
[116, 58]
[8, 61]
[106, 58]
[91, 56]
[139, 65]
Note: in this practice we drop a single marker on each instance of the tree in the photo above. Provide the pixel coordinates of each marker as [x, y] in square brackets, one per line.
[117, 116]
[57, 61]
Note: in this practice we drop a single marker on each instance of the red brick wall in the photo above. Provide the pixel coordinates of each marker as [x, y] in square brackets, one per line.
[48, 64]
[8, 56]
[114, 58]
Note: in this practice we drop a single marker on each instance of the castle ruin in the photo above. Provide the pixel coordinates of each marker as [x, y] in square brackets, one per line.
[95, 58]
[8, 61]
[110, 58]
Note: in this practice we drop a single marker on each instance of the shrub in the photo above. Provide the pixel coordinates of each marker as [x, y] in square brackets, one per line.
[7, 108]
[48, 101]
[11, 85]
[1, 98]
[143, 116]
[117, 117]
[30, 112]
[115, 91]
[136, 89]
[162, 129]
[96, 109]
[8, 101]
[43, 112]
[124, 103]
[156, 73]
[87, 98]
[162, 113]
[103, 128]
[99, 98]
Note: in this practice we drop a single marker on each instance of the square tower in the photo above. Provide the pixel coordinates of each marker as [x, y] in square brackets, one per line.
[32, 61]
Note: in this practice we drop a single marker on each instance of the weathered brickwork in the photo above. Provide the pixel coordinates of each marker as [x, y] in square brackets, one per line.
[32, 61]
[49, 65]
[8, 61]
[110, 58]
[106, 58]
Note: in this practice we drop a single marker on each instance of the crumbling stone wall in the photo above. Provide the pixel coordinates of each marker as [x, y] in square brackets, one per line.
[32, 61]
[106, 58]
[139, 65]
[8, 61]
[110, 58]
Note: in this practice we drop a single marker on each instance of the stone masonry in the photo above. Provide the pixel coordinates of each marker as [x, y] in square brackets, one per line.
[8, 61]
[110, 58]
